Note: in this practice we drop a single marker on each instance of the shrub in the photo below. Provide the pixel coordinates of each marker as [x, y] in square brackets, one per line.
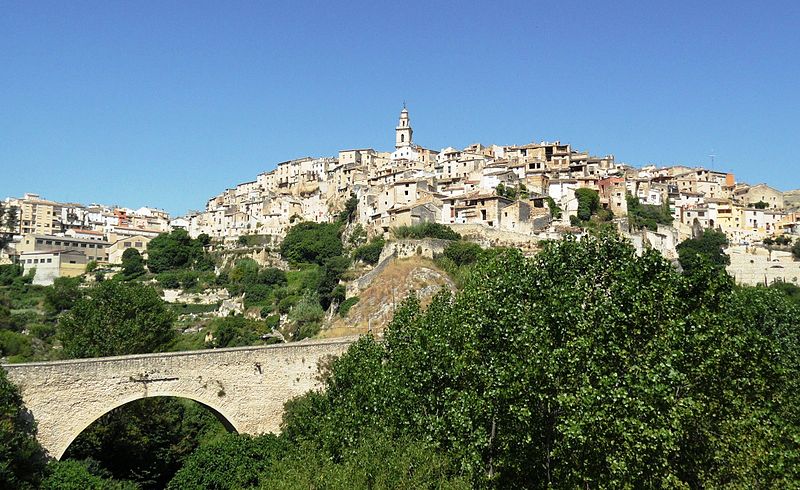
[345, 306]
[426, 230]
[371, 252]
[312, 242]
[463, 253]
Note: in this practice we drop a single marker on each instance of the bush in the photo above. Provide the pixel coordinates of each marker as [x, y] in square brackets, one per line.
[345, 306]
[312, 242]
[646, 215]
[463, 253]
[286, 304]
[588, 203]
[706, 247]
[371, 252]
[256, 293]
[426, 230]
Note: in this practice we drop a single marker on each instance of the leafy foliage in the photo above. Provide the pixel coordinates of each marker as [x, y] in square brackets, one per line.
[759, 205]
[21, 457]
[176, 250]
[349, 210]
[426, 230]
[344, 308]
[463, 253]
[312, 242]
[584, 366]
[648, 216]
[707, 247]
[555, 210]
[588, 203]
[146, 441]
[115, 319]
[371, 252]
[132, 263]
[81, 475]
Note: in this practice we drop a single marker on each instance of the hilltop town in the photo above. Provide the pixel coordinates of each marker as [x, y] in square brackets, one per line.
[497, 195]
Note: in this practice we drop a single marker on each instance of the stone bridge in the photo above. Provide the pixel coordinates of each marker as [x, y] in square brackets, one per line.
[245, 387]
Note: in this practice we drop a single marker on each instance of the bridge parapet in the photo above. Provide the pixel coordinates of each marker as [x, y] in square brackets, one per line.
[245, 386]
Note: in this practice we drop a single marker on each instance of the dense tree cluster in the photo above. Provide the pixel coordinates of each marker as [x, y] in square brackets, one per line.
[309, 242]
[583, 366]
[646, 216]
[176, 250]
[705, 248]
[116, 318]
[21, 459]
[426, 230]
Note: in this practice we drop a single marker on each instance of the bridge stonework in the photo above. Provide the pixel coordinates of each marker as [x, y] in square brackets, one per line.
[246, 387]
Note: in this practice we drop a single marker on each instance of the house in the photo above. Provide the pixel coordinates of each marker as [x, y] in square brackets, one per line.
[92, 248]
[50, 265]
[118, 247]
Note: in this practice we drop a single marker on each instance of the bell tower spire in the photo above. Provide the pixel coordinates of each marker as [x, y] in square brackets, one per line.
[403, 131]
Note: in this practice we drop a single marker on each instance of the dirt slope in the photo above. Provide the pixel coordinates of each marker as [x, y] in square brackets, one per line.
[376, 304]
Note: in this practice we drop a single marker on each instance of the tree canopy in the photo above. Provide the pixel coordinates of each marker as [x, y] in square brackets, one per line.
[583, 366]
[176, 250]
[312, 242]
[706, 247]
[116, 318]
[21, 457]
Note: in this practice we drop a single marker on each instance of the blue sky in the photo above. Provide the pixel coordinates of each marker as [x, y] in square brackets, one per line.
[166, 104]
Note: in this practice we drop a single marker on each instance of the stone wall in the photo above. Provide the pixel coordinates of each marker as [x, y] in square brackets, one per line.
[486, 236]
[757, 265]
[245, 386]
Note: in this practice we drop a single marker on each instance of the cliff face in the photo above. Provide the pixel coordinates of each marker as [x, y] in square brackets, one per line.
[378, 301]
[791, 199]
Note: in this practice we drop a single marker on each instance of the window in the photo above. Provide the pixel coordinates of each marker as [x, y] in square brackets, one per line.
[48, 242]
[39, 241]
[35, 261]
[137, 244]
[49, 261]
[58, 242]
[30, 261]
[83, 245]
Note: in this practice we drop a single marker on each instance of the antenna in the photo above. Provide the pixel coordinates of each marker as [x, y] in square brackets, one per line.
[712, 156]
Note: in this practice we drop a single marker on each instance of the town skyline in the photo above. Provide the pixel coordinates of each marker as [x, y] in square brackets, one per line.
[153, 105]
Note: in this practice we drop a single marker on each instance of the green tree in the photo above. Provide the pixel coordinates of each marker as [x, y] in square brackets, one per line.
[62, 295]
[21, 458]
[148, 440]
[584, 366]
[796, 249]
[555, 211]
[176, 250]
[80, 475]
[463, 253]
[312, 242]
[371, 252]
[232, 462]
[648, 216]
[358, 236]
[115, 319]
[759, 205]
[132, 263]
[588, 203]
[706, 247]
[349, 210]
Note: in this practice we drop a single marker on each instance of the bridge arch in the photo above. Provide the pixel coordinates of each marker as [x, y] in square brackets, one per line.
[89, 418]
[246, 386]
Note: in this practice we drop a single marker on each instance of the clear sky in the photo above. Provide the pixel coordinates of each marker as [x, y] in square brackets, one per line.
[166, 104]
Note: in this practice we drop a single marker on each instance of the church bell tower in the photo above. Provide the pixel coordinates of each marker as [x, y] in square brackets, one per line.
[403, 131]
